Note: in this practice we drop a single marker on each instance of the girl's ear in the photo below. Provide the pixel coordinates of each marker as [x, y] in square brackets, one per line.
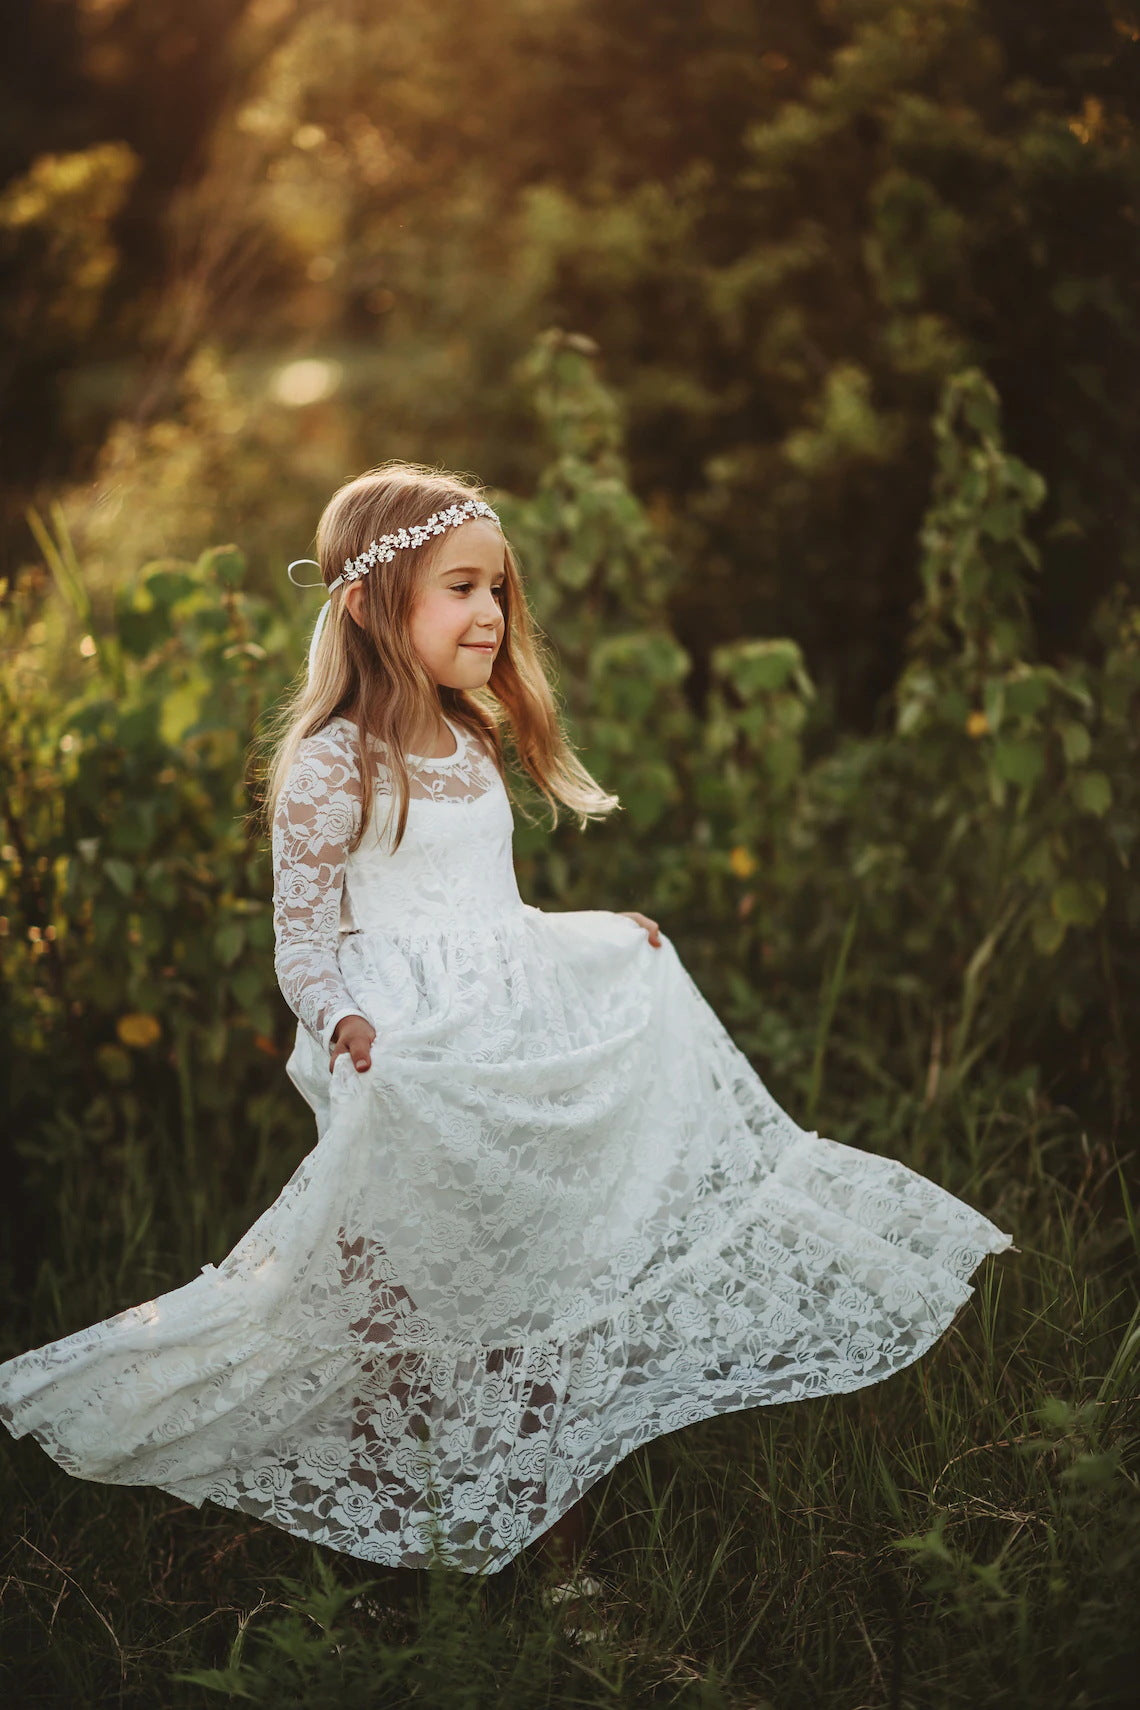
[353, 595]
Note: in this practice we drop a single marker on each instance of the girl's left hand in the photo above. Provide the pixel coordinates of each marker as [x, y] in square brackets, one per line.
[651, 926]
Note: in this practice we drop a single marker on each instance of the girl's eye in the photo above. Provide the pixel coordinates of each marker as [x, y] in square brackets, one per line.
[463, 587]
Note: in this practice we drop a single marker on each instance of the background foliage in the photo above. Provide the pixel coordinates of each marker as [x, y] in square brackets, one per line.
[798, 345]
[785, 226]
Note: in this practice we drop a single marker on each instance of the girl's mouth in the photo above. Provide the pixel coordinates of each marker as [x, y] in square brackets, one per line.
[480, 646]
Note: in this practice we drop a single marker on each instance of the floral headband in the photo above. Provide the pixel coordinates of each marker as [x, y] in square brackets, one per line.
[382, 551]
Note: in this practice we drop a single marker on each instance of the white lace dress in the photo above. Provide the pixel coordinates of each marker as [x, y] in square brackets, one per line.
[559, 1215]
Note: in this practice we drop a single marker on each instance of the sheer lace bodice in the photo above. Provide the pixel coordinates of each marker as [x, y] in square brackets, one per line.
[453, 869]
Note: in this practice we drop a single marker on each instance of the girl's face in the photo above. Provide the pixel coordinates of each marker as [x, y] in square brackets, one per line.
[457, 622]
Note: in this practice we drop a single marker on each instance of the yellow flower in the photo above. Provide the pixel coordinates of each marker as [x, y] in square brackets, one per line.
[138, 1029]
[742, 862]
[977, 724]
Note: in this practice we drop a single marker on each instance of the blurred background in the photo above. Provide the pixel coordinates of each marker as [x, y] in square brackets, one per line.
[798, 342]
[250, 247]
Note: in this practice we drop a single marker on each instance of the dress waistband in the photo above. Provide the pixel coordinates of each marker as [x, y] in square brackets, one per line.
[438, 923]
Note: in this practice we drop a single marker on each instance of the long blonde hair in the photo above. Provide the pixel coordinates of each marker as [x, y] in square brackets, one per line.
[370, 672]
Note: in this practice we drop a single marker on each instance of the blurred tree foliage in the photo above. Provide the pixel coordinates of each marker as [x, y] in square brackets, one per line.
[785, 226]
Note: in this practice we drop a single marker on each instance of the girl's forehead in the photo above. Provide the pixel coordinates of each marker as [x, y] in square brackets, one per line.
[478, 541]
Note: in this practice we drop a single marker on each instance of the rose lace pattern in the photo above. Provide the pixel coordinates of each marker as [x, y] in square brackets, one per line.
[558, 1216]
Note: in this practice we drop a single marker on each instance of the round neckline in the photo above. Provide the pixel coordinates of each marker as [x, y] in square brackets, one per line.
[424, 759]
[444, 759]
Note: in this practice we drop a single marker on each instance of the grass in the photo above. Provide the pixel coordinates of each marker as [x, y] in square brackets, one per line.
[966, 1533]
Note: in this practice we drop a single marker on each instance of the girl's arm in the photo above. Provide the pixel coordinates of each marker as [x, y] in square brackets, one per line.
[316, 815]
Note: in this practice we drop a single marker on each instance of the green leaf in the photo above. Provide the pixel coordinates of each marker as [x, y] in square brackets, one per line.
[229, 942]
[912, 712]
[1076, 741]
[1048, 934]
[575, 568]
[648, 793]
[1092, 792]
[1002, 520]
[753, 666]
[1019, 762]
[167, 587]
[993, 701]
[226, 563]
[121, 874]
[1078, 902]
[954, 707]
[160, 884]
[1093, 1470]
[1026, 693]
[180, 710]
[1039, 864]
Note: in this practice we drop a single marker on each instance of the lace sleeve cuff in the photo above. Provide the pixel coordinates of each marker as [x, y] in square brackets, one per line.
[330, 1025]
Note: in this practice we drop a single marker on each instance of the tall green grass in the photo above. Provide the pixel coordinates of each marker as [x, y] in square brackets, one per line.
[966, 1533]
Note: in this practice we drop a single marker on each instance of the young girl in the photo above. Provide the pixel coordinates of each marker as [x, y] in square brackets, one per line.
[552, 1211]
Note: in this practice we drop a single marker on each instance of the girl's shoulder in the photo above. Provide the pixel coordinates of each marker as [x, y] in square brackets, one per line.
[344, 734]
[337, 728]
[329, 755]
[334, 741]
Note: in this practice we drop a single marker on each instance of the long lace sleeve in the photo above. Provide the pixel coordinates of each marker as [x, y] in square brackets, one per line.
[316, 815]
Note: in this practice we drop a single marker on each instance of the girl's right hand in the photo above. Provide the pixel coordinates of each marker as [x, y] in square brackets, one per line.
[353, 1034]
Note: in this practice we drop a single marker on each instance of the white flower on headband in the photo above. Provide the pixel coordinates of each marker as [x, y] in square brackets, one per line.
[382, 551]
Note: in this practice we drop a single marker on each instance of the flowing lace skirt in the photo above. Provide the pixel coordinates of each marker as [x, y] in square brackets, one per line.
[558, 1216]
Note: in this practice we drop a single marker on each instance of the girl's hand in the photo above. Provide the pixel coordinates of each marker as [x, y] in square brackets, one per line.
[355, 1035]
[650, 926]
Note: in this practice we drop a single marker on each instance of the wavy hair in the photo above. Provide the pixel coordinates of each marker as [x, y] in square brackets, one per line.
[370, 672]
